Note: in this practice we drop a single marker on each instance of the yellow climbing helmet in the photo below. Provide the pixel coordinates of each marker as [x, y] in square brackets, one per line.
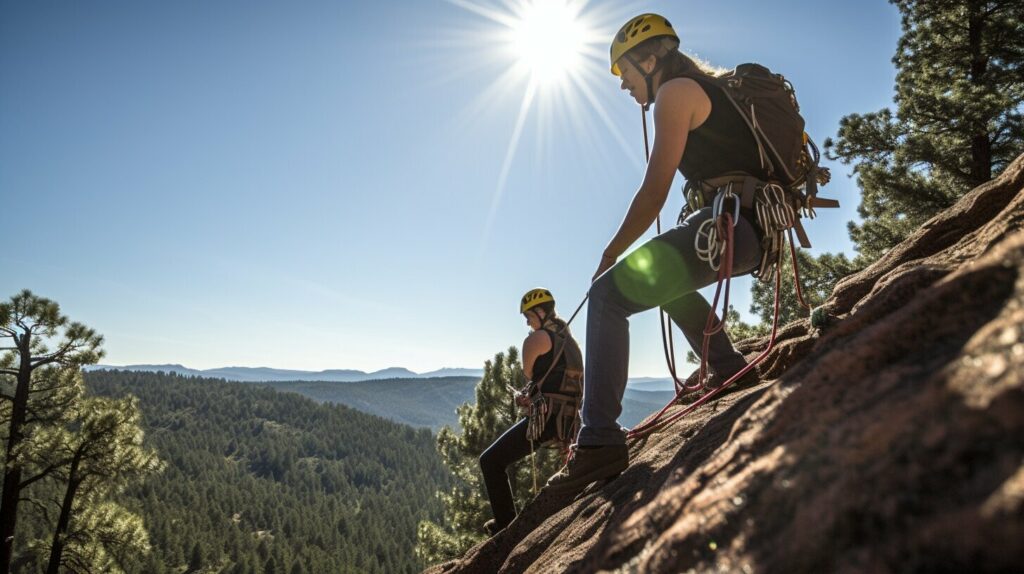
[640, 28]
[535, 297]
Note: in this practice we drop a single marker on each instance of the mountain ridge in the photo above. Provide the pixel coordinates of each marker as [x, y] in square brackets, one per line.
[270, 374]
[273, 375]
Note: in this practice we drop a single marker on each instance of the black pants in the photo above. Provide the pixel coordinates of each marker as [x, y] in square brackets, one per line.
[510, 448]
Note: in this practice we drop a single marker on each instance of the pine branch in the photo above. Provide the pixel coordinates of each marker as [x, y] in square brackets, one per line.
[54, 387]
[57, 355]
[44, 360]
[39, 506]
[43, 474]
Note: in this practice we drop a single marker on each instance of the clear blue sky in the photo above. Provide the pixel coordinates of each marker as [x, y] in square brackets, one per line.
[319, 184]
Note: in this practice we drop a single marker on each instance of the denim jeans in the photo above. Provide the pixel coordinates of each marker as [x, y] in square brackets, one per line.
[664, 272]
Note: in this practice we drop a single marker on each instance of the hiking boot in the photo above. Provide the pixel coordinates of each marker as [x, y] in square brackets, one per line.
[491, 527]
[587, 465]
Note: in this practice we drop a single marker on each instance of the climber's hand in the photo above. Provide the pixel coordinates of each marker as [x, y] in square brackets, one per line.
[606, 262]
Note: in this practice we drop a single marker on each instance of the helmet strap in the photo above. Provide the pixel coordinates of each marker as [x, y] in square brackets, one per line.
[536, 315]
[648, 77]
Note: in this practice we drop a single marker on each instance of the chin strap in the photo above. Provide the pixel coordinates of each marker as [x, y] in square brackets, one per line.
[648, 78]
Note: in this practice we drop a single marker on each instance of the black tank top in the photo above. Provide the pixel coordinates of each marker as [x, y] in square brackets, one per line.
[553, 382]
[722, 144]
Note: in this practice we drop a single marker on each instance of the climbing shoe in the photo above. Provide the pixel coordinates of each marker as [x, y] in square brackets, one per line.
[587, 465]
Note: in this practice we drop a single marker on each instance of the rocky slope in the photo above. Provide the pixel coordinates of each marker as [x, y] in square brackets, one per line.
[889, 440]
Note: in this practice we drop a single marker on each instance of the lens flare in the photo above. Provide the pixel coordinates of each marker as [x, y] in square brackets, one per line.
[651, 274]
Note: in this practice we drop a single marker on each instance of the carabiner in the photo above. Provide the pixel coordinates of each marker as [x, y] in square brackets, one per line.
[720, 202]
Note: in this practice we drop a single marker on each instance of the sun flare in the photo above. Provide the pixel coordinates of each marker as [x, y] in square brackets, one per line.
[555, 53]
[548, 39]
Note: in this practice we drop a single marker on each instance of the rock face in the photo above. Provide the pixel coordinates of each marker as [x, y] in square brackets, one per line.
[891, 440]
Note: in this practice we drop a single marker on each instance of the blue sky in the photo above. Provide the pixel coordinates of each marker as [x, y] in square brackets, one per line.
[320, 184]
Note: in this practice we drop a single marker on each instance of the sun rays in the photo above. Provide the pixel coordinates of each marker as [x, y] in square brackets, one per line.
[553, 53]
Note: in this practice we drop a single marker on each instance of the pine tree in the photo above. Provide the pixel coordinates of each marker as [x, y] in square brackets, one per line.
[195, 563]
[957, 123]
[39, 379]
[103, 452]
[466, 506]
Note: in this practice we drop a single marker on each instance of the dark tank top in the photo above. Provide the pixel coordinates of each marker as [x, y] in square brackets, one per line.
[722, 144]
[553, 382]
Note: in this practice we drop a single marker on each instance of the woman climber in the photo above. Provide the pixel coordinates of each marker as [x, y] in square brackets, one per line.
[700, 133]
[553, 364]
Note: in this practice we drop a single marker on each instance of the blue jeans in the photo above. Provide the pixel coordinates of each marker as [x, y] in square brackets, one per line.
[664, 272]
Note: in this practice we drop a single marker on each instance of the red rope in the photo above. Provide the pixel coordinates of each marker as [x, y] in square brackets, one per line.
[796, 272]
[656, 422]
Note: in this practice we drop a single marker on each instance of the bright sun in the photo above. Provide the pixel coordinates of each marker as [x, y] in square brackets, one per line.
[557, 50]
[548, 39]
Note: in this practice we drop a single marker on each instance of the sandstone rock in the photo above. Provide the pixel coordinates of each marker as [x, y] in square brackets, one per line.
[891, 441]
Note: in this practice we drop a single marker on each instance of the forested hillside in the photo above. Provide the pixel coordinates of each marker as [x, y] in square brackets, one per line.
[417, 402]
[261, 481]
[432, 402]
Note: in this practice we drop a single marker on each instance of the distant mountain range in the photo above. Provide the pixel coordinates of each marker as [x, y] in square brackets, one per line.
[268, 375]
[433, 402]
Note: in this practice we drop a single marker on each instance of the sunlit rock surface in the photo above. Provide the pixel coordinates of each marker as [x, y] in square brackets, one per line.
[890, 441]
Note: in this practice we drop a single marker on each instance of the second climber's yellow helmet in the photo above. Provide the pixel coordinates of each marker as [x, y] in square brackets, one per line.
[535, 297]
[640, 28]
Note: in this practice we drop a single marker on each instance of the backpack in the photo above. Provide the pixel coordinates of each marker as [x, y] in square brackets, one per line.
[767, 103]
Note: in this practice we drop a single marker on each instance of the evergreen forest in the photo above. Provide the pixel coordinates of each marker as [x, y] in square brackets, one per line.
[258, 481]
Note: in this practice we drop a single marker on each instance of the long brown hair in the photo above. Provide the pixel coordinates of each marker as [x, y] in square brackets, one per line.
[550, 315]
[671, 61]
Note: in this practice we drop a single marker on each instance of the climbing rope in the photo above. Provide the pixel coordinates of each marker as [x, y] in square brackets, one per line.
[664, 321]
[656, 422]
[724, 224]
[796, 273]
